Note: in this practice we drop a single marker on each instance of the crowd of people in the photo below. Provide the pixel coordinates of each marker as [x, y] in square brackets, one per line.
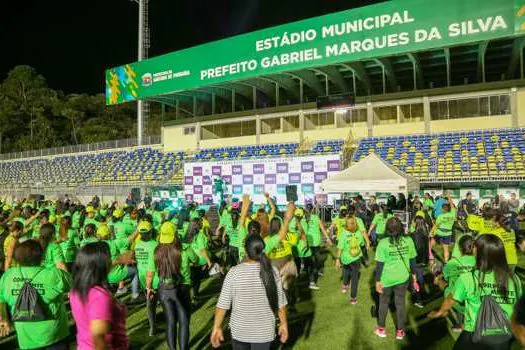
[64, 255]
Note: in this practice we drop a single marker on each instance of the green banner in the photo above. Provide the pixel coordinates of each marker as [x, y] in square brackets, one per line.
[382, 195]
[378, 30]
[488, 192]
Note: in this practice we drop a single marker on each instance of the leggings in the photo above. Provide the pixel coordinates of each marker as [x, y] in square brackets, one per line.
[151, 306]
[174, 312]
[317, 263]
[238, 345]
[351, 272]
[399, 300]
[465, 342]
[311, 271]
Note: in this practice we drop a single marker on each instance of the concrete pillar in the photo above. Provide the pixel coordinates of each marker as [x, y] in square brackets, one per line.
[369, 118]
[426, 114]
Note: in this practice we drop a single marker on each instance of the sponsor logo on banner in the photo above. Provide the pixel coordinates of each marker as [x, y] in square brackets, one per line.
[197, 189]
[320, 177]
[236, 169]
[247, 179]
[258, 189]
[147, 79]
[197, 171]
[188, 180]
[294, 178]
[334, 165]
[206, 180]
[207, 198]
[227, 179]
[307, 188]
[189, 197]
[307, 166]
[270, 179]
[281, 189]
[282, 168]
[258, 168]
[216, 170]
[237, 189]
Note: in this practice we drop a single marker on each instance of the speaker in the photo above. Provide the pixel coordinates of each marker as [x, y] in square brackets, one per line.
[135, 194]
[291, 193]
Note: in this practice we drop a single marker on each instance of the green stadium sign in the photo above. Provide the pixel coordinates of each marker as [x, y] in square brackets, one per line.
[379, 30]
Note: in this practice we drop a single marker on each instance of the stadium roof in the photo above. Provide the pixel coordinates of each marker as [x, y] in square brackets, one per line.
[388, 47]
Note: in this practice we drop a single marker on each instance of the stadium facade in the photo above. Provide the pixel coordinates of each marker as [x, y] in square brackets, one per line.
[450, 72]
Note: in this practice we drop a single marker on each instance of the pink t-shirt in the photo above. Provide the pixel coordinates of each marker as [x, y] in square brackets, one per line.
[99, 305]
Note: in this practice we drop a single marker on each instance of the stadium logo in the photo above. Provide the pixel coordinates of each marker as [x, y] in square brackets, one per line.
[147, 79]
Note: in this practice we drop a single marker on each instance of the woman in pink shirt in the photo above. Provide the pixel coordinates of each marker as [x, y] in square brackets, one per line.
[100, 320]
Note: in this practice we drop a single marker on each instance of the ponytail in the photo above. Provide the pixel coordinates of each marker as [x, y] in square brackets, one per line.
[255, 249]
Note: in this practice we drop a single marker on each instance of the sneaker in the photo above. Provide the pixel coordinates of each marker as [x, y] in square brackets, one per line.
[313, 286]
[380, 332]
[344, 289]
[151, 332]
[321, 273]
[121, 291]
[419, 305]
[353, 301]
[400, 334]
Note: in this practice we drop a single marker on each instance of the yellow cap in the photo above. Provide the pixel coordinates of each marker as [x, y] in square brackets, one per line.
[343, 207]
[144, 226]
[299, 212]
[90, 209]
[6, 207]
[167, 233]
[52, 219]
[118, 213]
[420, 213]
[103, 231]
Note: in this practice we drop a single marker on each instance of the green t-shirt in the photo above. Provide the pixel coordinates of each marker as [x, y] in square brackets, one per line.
[89, 220]
[467, 289]
[122, 232]
[53, 255]
[75, 220]
[144, 251]
[303, 249]
[455, 268]
[444, 223]
[200, 242]
[225, 218]
[51, 284]
[70, 246]
[233, 234]
[380, 222]
[396, 259]
[88, 240]
[428, 203]
[188, 257]
[313, 233]
[344, 243]
[271, 243]
[157, 219]
[118, 273]
[292, 226]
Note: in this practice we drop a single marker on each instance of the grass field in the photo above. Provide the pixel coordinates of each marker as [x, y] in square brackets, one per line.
[325, 320]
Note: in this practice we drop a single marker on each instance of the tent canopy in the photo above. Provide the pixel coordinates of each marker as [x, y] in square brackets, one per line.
[371, 174]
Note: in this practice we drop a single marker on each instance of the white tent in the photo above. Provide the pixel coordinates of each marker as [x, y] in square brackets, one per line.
[371, 174]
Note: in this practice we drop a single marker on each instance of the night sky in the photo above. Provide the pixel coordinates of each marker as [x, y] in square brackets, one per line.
[71, 42]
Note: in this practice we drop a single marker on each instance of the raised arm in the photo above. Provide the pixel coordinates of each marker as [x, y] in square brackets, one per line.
[270, 202]
[244, 210]
[287, 217]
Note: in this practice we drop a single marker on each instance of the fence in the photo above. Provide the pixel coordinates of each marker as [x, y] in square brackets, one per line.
[91, 147]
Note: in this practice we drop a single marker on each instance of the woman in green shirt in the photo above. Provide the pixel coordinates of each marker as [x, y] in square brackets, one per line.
[492, 276]
[52, 252]
[198, 241]
[52, 285]
[379, 224]
[69, 241]
[349, 255]
[396, 261]
[231, 228]
[172, 264]
[464, 263]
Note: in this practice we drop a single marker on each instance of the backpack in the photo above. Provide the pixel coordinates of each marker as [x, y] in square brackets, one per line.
[492, 324]
[355, 248]
[29, 305]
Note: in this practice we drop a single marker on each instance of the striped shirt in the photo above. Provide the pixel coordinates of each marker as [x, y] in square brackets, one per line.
[252, 319]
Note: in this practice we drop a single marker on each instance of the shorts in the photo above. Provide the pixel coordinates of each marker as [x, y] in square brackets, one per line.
[445, 240]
